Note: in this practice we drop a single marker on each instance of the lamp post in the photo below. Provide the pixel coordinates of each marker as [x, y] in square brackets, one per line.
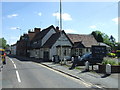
[19, 29]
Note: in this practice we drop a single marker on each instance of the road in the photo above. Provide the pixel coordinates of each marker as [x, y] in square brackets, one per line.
[27, 74]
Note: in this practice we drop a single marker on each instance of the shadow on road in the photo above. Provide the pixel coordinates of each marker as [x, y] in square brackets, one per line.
[23, 58]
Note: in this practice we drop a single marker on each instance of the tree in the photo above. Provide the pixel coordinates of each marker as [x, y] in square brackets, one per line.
[112, 39]
[3, 43]
[99, 38]
[106, 39]
[94, 34]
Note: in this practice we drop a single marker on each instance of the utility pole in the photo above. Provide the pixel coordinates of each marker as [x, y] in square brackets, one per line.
[61, 27]
[60, 15]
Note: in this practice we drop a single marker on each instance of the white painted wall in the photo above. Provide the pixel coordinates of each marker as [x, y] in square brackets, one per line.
[32, 53]
[37, 53]
[41, 53]
[65, 41]
[48, 35]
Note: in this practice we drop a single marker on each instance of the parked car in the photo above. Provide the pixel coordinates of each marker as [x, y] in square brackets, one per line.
[86, 57]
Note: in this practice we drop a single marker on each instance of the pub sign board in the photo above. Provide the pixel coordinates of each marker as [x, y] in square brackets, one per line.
[98, 51]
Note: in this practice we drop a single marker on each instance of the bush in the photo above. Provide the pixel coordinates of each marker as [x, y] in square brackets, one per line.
[111, 54]
[118, 63]
[110, 61]
[118, 53]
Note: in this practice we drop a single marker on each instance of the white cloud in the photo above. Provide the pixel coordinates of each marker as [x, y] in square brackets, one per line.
[65, 16]
[115, 20]
[14, 28]
[40, 14]
[93, 26]
[70, 31]
[12, 15]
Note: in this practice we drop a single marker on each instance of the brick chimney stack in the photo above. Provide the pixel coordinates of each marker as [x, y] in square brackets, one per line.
[57, 28]
[36, 30]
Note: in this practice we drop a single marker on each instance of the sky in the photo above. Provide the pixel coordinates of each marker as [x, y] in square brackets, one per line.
[77, 17]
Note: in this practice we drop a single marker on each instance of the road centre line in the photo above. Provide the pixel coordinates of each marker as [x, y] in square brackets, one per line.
[18, 76]
[15, 66]
[11, 60]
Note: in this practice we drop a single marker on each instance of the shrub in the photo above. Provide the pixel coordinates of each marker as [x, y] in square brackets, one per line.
[111, 54]
[110, 61]
[118, 63]
[118, 53]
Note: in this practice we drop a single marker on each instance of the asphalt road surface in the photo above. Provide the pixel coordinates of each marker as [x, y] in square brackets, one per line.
[27, 74]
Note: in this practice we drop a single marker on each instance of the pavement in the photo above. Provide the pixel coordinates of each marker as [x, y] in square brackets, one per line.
[97, 79]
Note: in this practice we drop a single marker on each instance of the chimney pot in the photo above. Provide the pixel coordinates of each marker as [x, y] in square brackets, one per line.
[36, 30]
[57, 28]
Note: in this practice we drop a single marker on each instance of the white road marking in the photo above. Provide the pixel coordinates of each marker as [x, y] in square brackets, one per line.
[15, 66]
[78, 81]
[11, 60]
[18, 76]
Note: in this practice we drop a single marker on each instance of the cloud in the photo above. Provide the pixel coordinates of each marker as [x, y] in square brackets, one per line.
[14, 28]
[12, 15]
[40, 14]
[93, 26]
[70, 31]
[65, 16]
[115, 20]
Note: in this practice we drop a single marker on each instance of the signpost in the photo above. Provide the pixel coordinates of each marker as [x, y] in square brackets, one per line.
[98, 53]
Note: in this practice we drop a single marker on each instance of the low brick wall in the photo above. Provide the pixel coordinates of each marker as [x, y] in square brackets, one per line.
[114, 69]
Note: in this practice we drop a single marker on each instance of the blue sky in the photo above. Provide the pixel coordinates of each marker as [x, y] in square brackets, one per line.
[78, 17]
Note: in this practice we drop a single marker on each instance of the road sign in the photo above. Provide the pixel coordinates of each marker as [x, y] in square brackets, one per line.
[98, 53]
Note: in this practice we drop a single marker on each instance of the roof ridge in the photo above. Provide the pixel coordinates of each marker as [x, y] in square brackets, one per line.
[78, 34]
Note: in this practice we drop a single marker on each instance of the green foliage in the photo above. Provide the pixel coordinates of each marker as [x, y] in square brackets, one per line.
[99, 38]
[112, 39]
[118, 51]
[106, 39]
[3, 43]
[110, 61]
[118, 63]
[111, 54]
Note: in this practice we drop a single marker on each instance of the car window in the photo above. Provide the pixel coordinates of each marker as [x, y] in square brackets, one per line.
[85, 55]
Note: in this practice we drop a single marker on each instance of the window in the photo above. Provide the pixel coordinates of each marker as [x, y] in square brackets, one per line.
[80, 52]
[65, 52]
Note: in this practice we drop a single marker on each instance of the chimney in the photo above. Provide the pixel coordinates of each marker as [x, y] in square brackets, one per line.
[57, 28]
[36, 30]
[29, 31]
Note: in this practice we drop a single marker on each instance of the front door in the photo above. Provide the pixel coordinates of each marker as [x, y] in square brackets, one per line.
[46, 55]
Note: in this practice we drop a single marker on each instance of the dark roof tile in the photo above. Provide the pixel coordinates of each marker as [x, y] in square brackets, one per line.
[87, 40]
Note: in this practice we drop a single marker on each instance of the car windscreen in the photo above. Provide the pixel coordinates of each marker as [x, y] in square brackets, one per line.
[86, 55]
